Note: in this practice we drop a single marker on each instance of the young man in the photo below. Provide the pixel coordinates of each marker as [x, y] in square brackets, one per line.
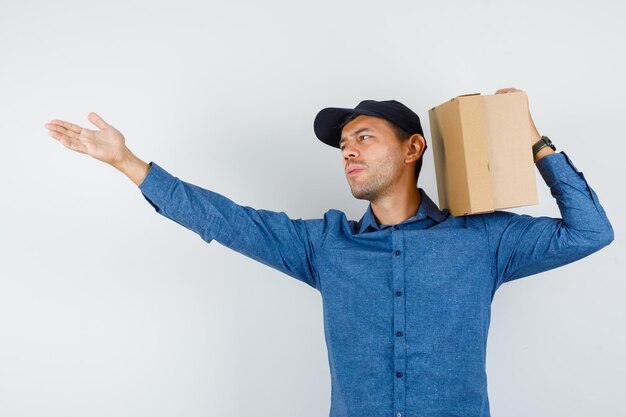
[407, 289]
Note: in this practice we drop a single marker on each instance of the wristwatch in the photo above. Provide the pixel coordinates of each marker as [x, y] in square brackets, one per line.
[542, 143]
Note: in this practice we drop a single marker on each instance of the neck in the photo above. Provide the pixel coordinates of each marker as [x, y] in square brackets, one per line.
[396, 208]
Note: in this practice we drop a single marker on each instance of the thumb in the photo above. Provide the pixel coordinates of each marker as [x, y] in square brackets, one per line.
[97, 120]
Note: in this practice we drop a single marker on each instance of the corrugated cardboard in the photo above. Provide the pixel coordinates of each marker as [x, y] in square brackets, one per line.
[483, 153]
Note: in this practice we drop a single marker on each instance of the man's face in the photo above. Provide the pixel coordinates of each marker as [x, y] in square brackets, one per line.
[370, 145]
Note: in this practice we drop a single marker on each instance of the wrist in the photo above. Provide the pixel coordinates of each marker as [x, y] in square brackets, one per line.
[542, 147]
[124, 161]
[543, 152]
[133, 167]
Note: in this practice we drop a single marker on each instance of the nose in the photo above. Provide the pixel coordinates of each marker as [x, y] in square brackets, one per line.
[349, 150]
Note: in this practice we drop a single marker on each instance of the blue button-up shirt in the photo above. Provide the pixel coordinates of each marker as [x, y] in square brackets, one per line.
[406, 307]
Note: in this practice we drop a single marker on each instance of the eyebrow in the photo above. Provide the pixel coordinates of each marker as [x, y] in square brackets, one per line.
[356, 133]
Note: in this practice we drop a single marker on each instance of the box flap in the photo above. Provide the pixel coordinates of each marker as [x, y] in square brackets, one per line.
[462, 95]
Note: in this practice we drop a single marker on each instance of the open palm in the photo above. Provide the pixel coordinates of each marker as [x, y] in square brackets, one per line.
[106, 144]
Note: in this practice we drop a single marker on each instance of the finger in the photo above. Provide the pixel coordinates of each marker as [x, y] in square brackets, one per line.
[68, 142]
[62, 137]
[75, 145]
[59, 136]
[62, 130]
[67, 125]
[97, 120]
[512, 90]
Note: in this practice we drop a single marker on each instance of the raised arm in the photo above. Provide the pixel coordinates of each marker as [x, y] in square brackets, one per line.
[522, 245]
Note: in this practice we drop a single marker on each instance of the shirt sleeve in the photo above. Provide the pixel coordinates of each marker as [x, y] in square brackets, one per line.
[522, 245]
[269, 237]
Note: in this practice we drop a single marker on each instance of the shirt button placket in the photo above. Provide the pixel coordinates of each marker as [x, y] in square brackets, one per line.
[399, 317]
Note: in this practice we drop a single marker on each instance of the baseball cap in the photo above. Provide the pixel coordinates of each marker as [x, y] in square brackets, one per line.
[328, 120]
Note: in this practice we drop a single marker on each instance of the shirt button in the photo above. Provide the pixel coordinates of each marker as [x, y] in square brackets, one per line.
[397, 253]
[397, 228]
[398, 333]
[399, 374]
[399, 415]
[398, 293]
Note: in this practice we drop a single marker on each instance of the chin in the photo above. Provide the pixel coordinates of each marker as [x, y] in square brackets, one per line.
[361, 194]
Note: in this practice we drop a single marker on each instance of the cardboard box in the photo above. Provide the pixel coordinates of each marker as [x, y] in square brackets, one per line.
[483, 153]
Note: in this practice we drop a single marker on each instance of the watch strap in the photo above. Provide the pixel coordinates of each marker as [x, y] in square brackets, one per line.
[542, 143]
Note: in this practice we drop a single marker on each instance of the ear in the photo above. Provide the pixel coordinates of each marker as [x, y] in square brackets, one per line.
[415, 146]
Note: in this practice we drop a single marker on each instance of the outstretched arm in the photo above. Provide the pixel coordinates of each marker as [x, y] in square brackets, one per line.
[269, 237]
[266, 236]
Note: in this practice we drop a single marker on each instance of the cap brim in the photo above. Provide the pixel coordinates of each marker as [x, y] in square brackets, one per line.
[326, 123]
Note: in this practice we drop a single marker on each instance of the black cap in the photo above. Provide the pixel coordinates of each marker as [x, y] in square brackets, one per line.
[328, 120]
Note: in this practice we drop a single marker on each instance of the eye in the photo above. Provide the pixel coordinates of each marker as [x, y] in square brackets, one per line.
[360, 137]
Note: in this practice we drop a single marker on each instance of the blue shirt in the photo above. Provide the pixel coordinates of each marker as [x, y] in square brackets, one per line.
[406, 307]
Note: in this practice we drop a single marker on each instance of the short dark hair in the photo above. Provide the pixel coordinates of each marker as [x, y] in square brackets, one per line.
[400, 133]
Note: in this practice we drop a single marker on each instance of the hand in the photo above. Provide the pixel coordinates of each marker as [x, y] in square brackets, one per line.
[509, 90]
[535, 136]
[106, 144]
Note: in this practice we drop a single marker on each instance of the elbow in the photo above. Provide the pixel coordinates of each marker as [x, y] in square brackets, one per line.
[603, 237]
[608, 236]
[606, 233]
[591, 240]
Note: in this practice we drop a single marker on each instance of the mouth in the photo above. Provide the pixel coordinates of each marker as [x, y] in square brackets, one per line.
[354, 171]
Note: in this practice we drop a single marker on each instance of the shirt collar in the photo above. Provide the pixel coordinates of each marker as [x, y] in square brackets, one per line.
[427, 208]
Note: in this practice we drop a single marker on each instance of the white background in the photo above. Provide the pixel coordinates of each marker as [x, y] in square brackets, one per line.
[108, 309]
